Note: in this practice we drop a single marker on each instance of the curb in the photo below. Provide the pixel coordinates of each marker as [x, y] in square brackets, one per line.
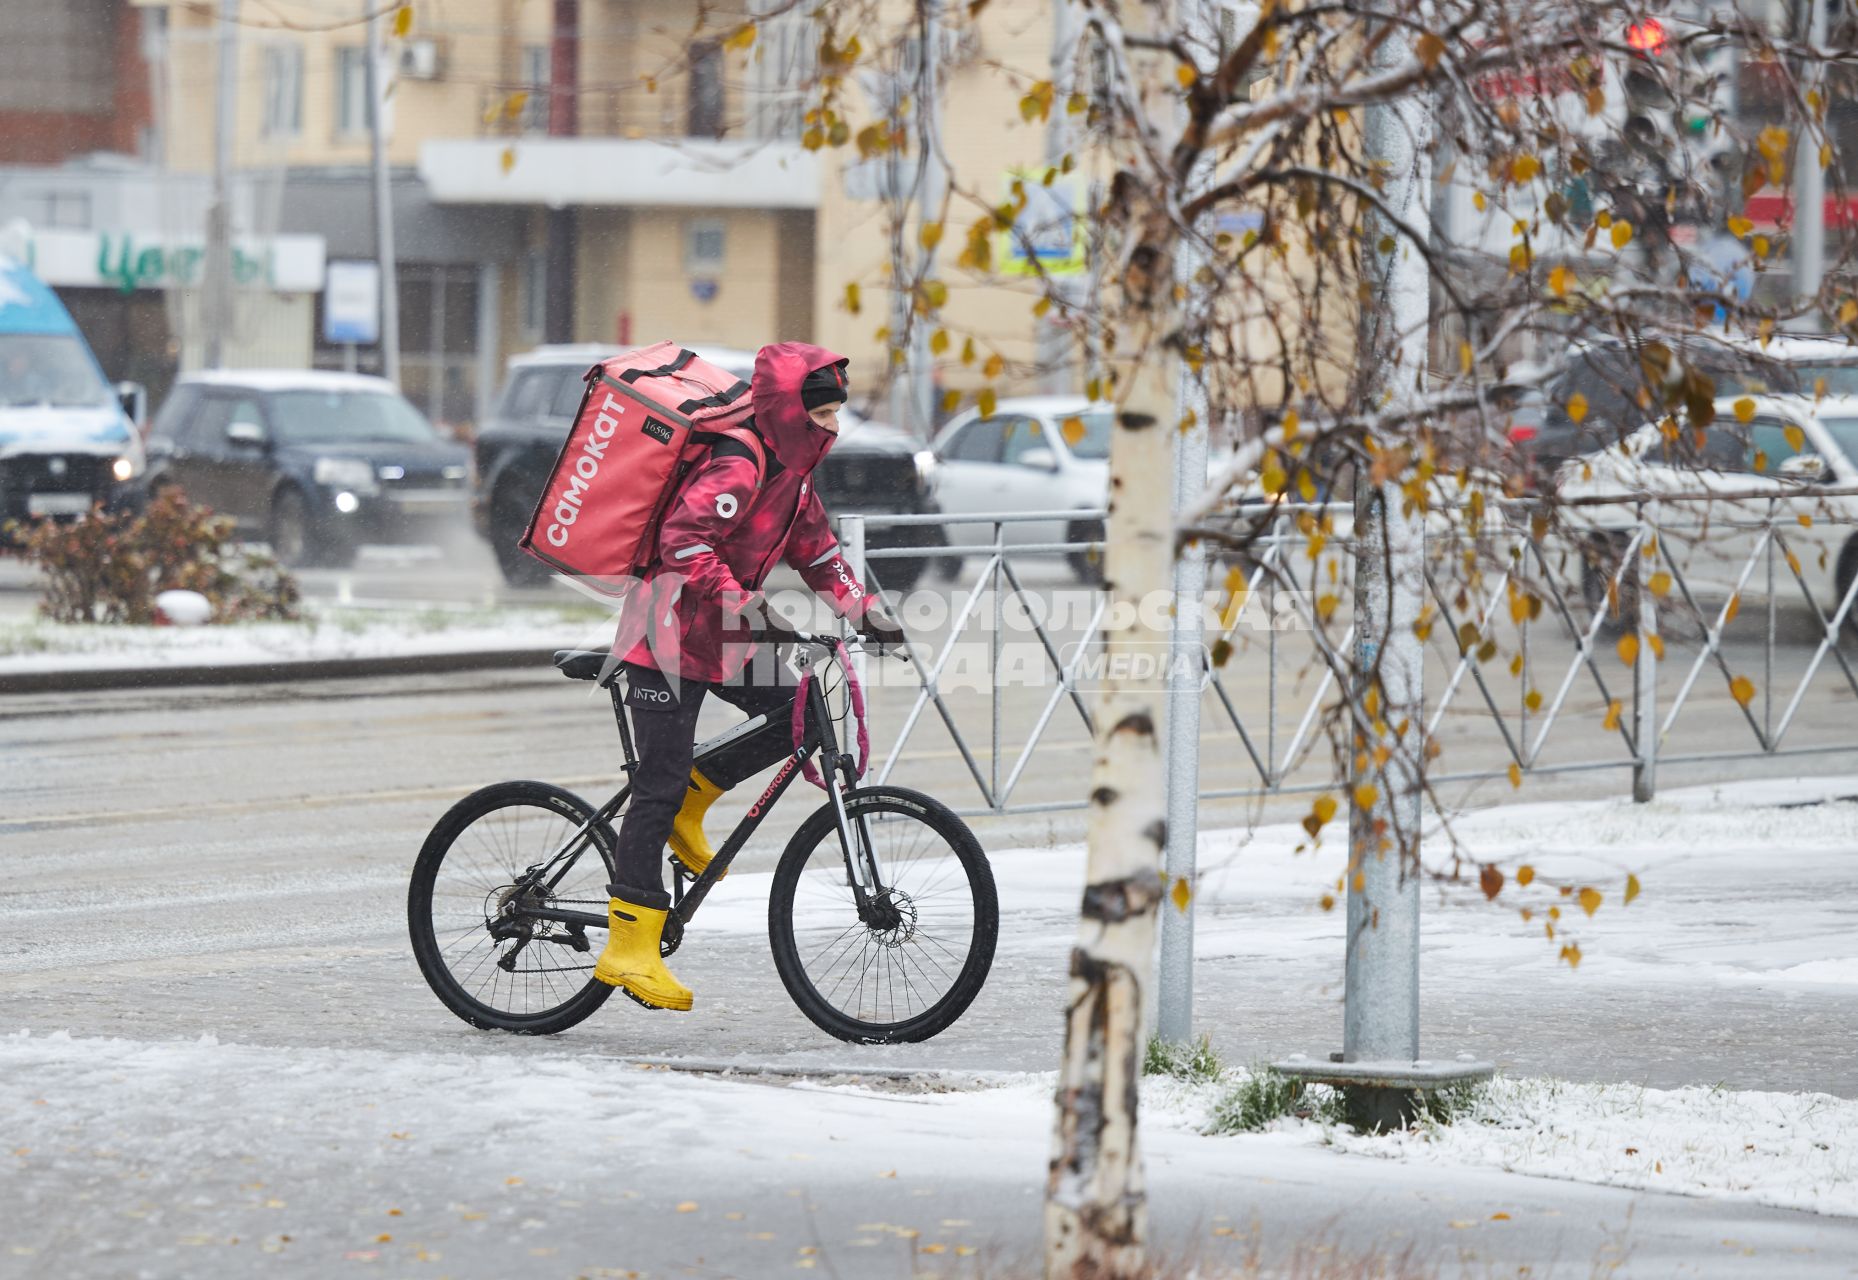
[87, 679]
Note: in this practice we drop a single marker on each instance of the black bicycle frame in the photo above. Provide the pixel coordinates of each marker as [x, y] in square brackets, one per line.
[839, 767]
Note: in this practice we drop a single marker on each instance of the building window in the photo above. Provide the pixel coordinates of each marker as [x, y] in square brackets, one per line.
[706, 245]
[283, 90]
[535, 83]
[535, 293]
[352, 114]
[64, 210]
[703, 103]
[784, 69]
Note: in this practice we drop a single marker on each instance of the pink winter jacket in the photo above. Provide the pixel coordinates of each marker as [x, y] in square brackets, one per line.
[723, 533]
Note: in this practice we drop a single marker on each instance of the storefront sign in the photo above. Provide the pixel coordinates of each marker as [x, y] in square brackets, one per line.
[352, 303]
[131, 260]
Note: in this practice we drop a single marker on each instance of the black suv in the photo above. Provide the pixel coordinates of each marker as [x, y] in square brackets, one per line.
[873, 469]
[313, 463]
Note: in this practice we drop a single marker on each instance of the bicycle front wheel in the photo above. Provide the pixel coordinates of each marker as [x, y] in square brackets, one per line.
[487, 963]
[913, 960]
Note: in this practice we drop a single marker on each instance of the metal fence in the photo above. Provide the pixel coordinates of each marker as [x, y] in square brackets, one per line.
[1650, 605]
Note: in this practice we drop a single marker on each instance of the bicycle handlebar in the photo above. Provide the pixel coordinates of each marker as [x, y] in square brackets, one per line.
[854, 642]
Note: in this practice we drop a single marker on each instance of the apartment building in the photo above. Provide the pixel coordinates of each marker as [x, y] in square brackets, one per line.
[560, 170]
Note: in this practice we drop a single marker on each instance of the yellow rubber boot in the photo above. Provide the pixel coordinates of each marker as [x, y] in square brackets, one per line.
[631, 960]
[688, 842]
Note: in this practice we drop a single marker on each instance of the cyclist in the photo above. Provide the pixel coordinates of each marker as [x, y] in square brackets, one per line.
[693, 622]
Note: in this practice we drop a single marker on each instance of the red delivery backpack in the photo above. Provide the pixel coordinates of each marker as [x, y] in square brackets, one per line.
[647, 418]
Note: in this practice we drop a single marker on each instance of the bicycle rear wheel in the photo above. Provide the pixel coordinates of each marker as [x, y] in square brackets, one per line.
[913, 962]
[492, 968]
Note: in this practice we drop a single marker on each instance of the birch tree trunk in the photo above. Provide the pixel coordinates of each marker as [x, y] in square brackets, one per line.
[1096, 1212]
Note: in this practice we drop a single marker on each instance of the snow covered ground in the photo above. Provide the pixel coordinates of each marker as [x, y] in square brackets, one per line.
[330, 632]
[338, 1119]
[199, 1158]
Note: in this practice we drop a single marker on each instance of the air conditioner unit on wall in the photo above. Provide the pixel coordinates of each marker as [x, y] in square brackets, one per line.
[420, 60]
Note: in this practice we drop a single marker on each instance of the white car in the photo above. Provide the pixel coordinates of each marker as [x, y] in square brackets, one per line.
[1031, 454]
[1774, 470]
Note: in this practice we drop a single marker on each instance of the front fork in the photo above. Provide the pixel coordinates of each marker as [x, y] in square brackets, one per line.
[861, 864]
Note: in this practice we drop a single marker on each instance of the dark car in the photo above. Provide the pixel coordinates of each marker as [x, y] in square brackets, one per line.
[873, 469]
[314, 463]
[1610, 377]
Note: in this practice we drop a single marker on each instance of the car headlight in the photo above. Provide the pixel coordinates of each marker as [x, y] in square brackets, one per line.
[925, 470]
[124, 469]
[346, 473]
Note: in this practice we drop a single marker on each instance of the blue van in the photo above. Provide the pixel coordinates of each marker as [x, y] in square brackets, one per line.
[66, 441]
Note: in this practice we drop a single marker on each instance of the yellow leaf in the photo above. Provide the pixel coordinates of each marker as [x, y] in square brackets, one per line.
[1328, 901]
[951, 400]
[1572, 954]
[515, 105]
[930, 234]
[987, 400]
[1732, 608]
[1560, 280]
[1613, 709]
[1848, 311]
[1796, 438]
[1660, 583]
[688, 1206]
[1273, 478]
[1516, 775]
[1072, 429]
[1533, 700]
[1590, 899]
[1629, 648]
[1306, 485]
[1519, 259]
[1324, 808]
[1744, 409]
[1739, 226]
[507, 161]
[853, 298]
[1742, 689]
[1577, 407]
[1621, 233]
[1523, 168]
[742, 37]
[1180, 894]
[1632, 889]
[1525, 874]
[1656, 641]
[1429, 49]
[994, 367]
[1477, 198]
[403, 20]
[1365, 795]
[1185, 75]
[938, 342]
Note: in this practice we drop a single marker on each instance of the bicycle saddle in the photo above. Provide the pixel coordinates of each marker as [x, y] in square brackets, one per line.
[582, 664]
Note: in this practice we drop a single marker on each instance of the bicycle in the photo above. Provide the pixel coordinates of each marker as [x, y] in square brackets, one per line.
[882, 888]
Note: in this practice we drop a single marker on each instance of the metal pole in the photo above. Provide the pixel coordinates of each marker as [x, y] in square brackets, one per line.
[1809, 233]
[1645, 673]
[929, 201]
[1381, 1003]
[1174, 1019]
[216, 296]
[1052, 344]
[383, 200]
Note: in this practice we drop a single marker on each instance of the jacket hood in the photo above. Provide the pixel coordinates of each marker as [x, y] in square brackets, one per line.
[780, 368]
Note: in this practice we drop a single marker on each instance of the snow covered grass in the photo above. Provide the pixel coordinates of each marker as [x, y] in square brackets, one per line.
[1787, 1150]
[329, 632]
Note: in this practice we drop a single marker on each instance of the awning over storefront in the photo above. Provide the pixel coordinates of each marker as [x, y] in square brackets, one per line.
[621, 172]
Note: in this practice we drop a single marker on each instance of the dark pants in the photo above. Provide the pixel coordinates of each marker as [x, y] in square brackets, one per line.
[664, 731]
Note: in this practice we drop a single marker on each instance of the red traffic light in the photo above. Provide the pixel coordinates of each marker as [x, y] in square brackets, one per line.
[1645, 38]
